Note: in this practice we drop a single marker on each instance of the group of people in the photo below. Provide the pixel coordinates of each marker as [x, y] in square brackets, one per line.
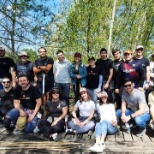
[120, 91]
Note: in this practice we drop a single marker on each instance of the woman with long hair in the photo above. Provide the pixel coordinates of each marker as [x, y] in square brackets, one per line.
[54, 115]
[78, 74]
[107, 124]
[84, 122]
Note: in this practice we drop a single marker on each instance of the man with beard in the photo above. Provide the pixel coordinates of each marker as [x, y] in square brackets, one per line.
[27, 102]
[43, 69]
[6, 67]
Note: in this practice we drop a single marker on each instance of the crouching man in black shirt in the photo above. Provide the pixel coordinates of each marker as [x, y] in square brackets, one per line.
[6, 99]
[27, 102]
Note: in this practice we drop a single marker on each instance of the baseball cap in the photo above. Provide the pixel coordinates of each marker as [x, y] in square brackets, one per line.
[128, 52]
[77, 54]
[83, 90]
[23, 53]
[139, 46]
[55, 89]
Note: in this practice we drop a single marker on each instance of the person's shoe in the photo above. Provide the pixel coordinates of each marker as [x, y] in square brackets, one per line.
[53, 137]
[16, 131]
[70, 132]
[97, 148]
[151, 124]
[141, 132]
[36, 130]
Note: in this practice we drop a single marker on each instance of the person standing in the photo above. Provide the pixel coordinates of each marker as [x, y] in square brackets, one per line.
[78, 74]
[43, 70]
[25, 66]
[116, 63]
[145, 63]
[131, 69]
[94, 79]
[7, 67]
[106, 66]
[61, 70]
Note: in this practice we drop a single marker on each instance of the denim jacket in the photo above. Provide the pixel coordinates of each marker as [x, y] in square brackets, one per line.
[82, 72]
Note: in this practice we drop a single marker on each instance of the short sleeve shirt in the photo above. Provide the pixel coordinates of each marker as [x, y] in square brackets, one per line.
[27, 98]
[133, 100]
[85, 108]
[54, 109]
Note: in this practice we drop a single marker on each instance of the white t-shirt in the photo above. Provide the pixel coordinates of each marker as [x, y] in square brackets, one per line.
[85, 108]
[106, 112]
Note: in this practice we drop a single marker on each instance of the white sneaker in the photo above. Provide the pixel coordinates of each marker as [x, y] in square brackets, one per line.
[97, 148]
[36, 130]
[16, 131]
[151, 124]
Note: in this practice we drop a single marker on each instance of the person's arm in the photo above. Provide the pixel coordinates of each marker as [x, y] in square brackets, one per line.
[64, 113]
[88, 119]
[13, 73]
[45, 68]
[17, 106]
[37, 107]
[147, 77]
[109, 79]
[140, 111]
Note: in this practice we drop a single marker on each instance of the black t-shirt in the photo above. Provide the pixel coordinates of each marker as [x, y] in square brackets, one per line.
[144, 61]
[54, 109]
[27, 98]
[116, 64]
[26, 68]
[5, 64]
[44, 62]
[6, 99]
[105, 66]
[92, 77]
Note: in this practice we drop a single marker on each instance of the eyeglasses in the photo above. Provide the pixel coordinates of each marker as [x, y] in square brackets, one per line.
[127, 85]
[5, 82]
[140, 49]
[55, 93]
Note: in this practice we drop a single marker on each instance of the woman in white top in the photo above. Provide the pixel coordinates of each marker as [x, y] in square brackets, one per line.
[84, 122]
[107, 124]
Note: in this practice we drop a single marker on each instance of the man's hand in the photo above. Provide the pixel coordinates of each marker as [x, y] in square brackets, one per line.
[117, 91]
[54, 123]
[30, 118]
[125, 119]
[106, 85]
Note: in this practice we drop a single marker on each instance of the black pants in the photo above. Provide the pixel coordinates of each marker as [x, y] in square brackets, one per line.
[46, 128]
[76, 89]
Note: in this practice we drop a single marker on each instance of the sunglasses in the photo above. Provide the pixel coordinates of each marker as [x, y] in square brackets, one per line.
[55, 93]
[5, 82]
[127, 85]
[140, 49]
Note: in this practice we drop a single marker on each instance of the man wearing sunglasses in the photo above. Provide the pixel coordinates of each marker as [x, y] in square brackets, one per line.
[6, 66]
[6, 99]
[134, 108]
[145, 63]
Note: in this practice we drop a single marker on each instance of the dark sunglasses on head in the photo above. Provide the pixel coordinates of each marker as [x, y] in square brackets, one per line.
[127, 85]
[5, 81]
[55, 92]
[140, 49]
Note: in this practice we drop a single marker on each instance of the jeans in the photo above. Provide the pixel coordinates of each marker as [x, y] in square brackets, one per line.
[103, 128]
[14, 114]
[79, 130]
[92, 93]
[139, 120]
[65, 88]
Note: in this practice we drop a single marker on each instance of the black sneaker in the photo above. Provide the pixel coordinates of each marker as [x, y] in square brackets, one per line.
[70, 132]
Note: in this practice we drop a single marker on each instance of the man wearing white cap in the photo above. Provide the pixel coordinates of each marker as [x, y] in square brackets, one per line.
[145, 63]
[25, 66]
